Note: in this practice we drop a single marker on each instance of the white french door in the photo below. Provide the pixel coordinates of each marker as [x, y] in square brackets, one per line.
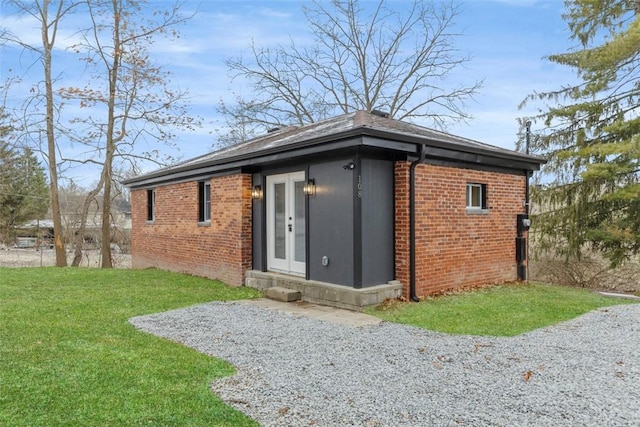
[286, 218]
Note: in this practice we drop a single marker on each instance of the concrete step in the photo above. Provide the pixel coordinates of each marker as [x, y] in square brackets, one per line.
[325, 293]
[282, 294]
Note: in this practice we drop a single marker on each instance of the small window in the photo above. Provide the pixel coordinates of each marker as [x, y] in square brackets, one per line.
[204, 201]
[151, 204]
[476, 196]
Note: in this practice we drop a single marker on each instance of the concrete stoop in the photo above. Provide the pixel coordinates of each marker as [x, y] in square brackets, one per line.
[282, 294]
[281, 287]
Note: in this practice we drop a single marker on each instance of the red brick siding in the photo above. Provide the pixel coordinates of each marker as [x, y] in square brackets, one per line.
[175, 241]
[455, 248]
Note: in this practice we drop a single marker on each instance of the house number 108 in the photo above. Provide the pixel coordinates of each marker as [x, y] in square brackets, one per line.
[359, 186]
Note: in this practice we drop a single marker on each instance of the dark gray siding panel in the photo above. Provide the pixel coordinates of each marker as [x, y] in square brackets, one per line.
[257, 227]
[377, 222]
[331, 223]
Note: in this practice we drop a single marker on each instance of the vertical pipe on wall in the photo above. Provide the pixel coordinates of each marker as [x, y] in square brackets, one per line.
[522, 246]
[412, 225]
[526, 147]
[307, 228]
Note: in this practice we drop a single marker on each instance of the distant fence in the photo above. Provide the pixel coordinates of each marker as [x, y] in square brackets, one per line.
[30, 257]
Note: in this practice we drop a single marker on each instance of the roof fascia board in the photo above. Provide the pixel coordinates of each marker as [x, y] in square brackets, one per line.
[199, 175]
[476, 166]
[479, 159]
[390, 144]
[400, 137]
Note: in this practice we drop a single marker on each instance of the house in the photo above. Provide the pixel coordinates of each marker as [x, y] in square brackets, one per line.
[349, 211]
[39, 232]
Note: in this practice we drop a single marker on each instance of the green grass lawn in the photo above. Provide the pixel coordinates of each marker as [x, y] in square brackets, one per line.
[69, 357]
[506, 310]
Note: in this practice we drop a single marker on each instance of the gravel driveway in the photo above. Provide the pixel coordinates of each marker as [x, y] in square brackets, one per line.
[296, 371]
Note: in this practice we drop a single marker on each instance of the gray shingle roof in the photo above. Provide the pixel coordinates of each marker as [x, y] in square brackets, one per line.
[345, 126]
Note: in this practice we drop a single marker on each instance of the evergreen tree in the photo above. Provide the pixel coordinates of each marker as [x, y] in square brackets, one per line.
[24, 193]
[592, 136]
[7, 160]
[33, 183]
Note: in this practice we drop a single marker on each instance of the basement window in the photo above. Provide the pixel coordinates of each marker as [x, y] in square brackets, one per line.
[151, 204]
[204, 201]
[476, 197]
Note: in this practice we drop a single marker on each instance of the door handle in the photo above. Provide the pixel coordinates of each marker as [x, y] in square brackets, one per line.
[290, 228]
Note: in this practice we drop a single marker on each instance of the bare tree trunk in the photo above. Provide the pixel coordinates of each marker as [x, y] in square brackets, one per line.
[105, 245]
[107, 174]
[61, 255]
[79, 237]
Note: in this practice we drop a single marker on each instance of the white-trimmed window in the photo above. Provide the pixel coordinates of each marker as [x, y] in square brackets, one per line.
[476, 196]
[204, 201]
[151, 204]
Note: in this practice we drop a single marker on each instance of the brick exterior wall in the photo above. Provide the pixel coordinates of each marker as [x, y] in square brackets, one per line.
[455, 248]
[175, 241]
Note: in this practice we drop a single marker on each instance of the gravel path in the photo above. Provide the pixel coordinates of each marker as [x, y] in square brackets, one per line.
[295, 371]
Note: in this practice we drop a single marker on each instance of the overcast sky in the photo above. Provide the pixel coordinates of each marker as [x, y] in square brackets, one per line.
[507, 40]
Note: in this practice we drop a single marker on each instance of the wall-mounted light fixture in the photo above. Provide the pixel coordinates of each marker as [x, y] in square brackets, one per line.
[256, 192]
[309, 188]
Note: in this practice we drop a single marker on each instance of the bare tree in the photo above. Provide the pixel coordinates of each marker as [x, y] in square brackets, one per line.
[32, 127]
[132, 92]
[388, 60]
[126, 100]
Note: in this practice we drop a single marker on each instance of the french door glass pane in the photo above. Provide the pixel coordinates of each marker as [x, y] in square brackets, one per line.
[280, 241]
[299, 222]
